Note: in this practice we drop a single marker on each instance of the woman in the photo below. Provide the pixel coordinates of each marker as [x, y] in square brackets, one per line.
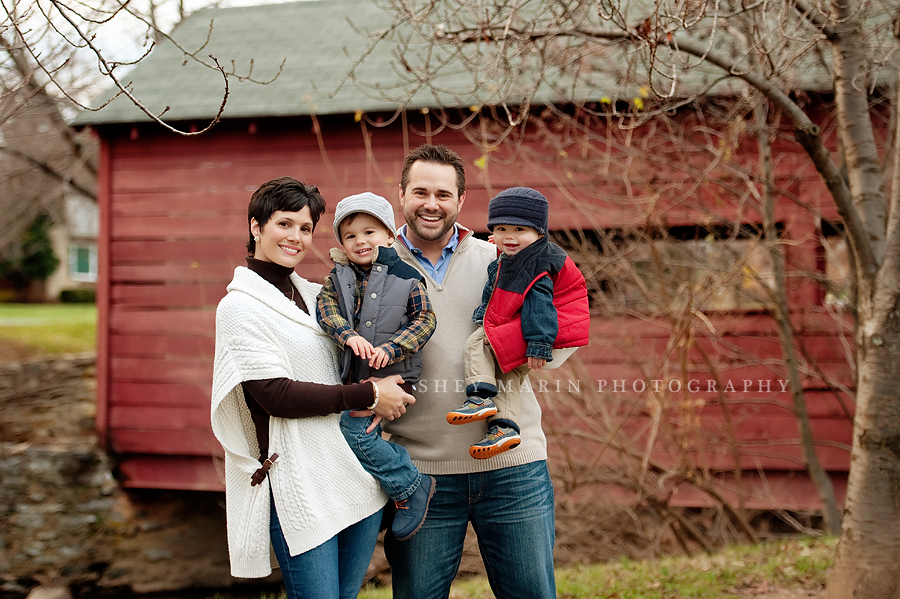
[290, 478]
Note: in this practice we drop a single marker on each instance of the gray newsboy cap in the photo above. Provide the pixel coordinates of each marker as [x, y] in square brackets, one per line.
[368, 203]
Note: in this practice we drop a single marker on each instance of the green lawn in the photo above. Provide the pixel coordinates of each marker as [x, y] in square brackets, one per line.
[49, 328]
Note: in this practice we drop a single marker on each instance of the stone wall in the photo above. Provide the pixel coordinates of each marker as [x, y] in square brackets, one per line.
[55, 484]
[65, 521]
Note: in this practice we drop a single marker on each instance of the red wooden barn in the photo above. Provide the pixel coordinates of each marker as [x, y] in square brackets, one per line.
[174, 226]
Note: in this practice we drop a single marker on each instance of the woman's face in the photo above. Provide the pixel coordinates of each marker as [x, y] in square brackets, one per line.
[285, 238]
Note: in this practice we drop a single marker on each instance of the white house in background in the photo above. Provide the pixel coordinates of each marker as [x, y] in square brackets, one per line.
[75, 244]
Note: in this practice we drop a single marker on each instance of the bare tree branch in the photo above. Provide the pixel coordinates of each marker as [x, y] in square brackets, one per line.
[49, 169]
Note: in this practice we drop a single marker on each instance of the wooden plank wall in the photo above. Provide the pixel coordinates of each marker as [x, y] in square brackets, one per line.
[174, 214]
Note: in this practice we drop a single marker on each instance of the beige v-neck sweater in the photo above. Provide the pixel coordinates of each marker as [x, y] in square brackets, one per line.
[435, 446]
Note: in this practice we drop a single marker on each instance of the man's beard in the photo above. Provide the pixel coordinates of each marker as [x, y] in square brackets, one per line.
[430, 234]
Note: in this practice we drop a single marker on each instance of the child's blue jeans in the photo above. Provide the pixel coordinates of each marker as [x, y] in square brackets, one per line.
[386, 461]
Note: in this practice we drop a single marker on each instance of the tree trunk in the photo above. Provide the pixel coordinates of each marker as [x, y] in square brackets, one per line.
[35, 292]
[864, 172]
[868, 555]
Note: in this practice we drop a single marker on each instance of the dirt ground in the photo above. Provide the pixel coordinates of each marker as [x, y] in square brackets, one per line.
[68, 523]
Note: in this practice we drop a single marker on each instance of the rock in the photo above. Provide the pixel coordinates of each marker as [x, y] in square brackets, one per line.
[35, 549]
[13, 587]
[149, 526]
[49, 592]
[46, 535]
[27, 522]
[155, 554]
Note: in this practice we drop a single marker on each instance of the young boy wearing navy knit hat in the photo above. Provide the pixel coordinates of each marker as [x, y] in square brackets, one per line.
[376, 309]
[535, 301]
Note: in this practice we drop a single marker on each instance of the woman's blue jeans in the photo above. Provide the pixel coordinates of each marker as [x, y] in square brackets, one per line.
[333, 570]
[511, 511]
[386, 461]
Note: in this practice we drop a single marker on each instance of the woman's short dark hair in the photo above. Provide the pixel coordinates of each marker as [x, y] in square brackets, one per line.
[435, 154]
[286, 194]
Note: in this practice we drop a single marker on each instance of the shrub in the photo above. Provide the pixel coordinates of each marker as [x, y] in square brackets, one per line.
[34, 259]
[78, 296]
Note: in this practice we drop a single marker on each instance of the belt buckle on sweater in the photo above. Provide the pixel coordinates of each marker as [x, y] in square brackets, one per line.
[260, 474]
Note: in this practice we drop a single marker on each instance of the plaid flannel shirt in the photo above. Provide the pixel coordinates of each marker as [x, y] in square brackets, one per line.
[404, 343]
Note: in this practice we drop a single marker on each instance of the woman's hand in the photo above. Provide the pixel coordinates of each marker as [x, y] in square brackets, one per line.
[392, 400]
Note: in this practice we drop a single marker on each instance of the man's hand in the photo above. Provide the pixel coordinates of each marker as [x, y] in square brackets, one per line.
[366, 414]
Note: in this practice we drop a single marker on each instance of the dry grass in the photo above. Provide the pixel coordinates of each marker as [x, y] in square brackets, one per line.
[791, 568]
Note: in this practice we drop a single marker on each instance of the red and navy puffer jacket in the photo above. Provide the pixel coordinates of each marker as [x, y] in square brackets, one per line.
[510, 280]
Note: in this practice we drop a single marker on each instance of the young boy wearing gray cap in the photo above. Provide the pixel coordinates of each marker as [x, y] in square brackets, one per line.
[534, 301]
[376, 309]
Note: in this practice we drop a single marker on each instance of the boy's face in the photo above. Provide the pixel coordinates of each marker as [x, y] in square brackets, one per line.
[512, 239]
[360, 234]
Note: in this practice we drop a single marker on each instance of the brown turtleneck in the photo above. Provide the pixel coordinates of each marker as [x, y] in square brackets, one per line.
[287, 398]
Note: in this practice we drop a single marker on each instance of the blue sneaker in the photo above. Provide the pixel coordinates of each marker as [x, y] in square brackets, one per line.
[411, 511]
[499, 439]
[474, 409]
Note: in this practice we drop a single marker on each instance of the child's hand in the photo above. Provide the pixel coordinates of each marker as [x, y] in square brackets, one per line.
[360, 347]
[379, 358]
[536, 363]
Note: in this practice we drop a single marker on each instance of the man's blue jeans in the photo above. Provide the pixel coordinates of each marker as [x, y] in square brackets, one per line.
[512, 512]
[386, 461]
[333, 570]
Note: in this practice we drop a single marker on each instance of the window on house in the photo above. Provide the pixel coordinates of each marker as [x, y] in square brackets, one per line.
[698, 268]
[836, 264]
[83, 262]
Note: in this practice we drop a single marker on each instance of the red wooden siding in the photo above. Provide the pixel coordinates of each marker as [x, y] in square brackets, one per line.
[173, 228]
[104, 203]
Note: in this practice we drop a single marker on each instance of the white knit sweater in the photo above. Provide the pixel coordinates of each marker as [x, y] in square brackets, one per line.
[318, 484]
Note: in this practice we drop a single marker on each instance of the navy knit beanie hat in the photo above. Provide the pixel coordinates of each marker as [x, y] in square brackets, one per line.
[519, 206]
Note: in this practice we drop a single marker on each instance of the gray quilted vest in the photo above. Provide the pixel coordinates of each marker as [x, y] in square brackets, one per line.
[382, 314]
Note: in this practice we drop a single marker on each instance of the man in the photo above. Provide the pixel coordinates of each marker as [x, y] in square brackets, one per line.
[508, 498]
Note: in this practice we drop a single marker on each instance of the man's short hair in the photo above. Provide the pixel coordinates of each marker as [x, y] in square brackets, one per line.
[435, 154]
[287, 195]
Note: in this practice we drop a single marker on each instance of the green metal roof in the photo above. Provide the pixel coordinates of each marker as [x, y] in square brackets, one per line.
[314, 39]
[318, 40]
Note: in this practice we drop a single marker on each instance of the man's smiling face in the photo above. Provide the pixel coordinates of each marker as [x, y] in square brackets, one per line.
[431, 201]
